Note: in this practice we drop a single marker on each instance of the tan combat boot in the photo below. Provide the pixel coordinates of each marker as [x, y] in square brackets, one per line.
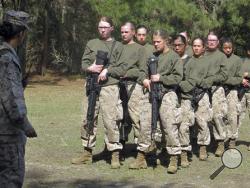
[184, 159]
[140, 161]
[203, 153]
[232, 144]
[220, 149]
[85, 158]
[115, 161]
[172, 167]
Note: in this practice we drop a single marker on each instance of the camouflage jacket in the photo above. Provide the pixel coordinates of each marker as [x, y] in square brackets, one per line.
[13, 113]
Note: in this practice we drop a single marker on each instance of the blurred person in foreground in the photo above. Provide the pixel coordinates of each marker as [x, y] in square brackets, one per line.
[14, 124]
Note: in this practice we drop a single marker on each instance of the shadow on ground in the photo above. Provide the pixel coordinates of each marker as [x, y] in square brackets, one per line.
[53, 79]
[38, 178]
[95, 183]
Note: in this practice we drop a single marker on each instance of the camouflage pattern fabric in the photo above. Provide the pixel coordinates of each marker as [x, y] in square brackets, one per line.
[245, 107]
[13, 119]
[12, 166]
[220, 109]
[188, 118]
[203, 115]
[170, 116]
[110, 107]
[134, 108]
[234, 109]
[144, 140]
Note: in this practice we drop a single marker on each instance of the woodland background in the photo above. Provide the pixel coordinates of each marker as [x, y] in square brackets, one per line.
[60, 29]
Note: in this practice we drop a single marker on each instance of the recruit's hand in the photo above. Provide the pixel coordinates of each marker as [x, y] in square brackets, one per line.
[146, 83]
[245, 82]
[123, 77]
[31, 133]
[95, 68]
[155, 78]
[103, 75]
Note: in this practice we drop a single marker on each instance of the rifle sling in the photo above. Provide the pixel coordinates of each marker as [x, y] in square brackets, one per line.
[131, 90]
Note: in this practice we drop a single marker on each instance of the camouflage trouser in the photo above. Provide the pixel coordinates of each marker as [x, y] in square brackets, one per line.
[144, 140]
[109, 106]
[12, 165]
[245, 107]
[134, 109]
[187, 121]
[203, 115]
[219, 105]
[170, 116]
[234, 110]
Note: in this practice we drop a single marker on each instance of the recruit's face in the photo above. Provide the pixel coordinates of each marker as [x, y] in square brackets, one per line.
[227, 48]
[179, 47]
[159, 43]
[127, 33]
[198, 47]
[105, 30]
[141, 35]
[212, 42]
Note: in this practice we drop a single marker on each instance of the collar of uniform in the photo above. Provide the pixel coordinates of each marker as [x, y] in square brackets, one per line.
[210, 52]
[15, 57]
[7, 46]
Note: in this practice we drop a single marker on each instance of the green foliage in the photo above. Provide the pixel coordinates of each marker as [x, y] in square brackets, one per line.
[61, 28]
[236, 23]
[173, 16]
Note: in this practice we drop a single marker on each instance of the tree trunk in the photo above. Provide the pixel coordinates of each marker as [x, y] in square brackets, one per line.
[21, 51]
[44, 60]
[22, 4]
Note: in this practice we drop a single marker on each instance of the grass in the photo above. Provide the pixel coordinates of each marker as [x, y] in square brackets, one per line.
[55, 110]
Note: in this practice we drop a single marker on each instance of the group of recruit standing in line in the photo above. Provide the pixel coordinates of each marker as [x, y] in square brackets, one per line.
[198, 84]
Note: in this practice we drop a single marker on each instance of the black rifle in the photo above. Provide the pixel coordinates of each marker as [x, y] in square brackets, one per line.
[198, 93]
[126, 120]
[154, 96]
[242, 90]
[93, 90]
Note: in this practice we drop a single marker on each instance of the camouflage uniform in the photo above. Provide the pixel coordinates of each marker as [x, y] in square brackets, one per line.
[203, 115]
[187, 109]
[234, 80]
[195, 72]
[198, 71]
[245, 101]
[220, 109]
[134, 109]
[133, 58]
[171, 70]
[244, 107]
[217, 74]
[14, 123]
[13, 119]
[108, 104]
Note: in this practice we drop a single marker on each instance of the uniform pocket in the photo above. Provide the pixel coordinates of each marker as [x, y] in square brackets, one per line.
[239, 108]
[178, 115]
[9, 157]
[210, 114]
[119, 110]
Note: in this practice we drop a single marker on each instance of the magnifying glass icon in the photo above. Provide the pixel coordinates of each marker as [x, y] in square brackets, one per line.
[231, 158]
